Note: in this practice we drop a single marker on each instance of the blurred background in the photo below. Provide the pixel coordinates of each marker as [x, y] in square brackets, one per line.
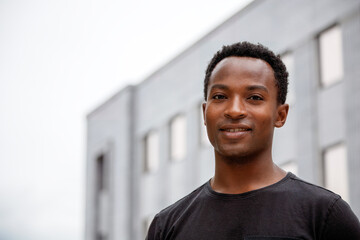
[59, 60]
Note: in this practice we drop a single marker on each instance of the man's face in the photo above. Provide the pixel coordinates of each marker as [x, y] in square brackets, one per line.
[242, 109]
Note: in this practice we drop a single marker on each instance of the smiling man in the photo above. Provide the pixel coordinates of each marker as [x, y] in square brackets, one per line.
[250, 197]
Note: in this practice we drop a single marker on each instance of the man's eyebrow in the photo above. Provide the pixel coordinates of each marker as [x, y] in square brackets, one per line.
[219, 86]
[257, 87]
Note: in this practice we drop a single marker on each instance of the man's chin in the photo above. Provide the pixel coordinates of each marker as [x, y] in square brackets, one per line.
[234, 155]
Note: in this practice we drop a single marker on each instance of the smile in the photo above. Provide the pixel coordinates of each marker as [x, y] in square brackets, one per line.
[235, 130]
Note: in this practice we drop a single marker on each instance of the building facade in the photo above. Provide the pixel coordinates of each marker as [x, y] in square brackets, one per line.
[147, 148]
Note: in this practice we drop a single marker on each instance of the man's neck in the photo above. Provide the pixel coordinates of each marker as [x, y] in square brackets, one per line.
[234, 177]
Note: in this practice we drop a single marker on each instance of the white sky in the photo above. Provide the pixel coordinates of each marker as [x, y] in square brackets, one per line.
[58, 61]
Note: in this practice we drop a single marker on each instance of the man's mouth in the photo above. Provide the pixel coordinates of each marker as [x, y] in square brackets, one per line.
[235, 129]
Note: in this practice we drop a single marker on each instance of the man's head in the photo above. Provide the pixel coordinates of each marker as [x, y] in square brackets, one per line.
[244, 101]
[246, 49]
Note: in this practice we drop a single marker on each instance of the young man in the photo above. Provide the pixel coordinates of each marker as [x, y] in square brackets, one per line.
[250, 197]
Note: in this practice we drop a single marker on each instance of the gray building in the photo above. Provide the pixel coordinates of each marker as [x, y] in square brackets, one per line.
[146, 146]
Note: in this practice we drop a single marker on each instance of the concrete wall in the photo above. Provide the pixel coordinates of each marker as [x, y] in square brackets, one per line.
[110, 133]
[351, 40]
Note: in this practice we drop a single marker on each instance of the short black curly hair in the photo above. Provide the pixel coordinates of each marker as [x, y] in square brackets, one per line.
[246, 49]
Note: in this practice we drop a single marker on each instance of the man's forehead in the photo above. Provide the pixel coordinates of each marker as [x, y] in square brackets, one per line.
[241, 60]
[248, 87]
[247, 66]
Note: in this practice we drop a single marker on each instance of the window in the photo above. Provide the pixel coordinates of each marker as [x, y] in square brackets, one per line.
[331, 59]
[178, 138]
[151, 151]
[101, 173]
[335, 170]
[102, 197]
[290, 167]
[288, 59]
[204, 140]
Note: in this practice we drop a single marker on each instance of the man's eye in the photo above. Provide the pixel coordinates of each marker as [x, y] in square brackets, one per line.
[255, 97]
[218, 96]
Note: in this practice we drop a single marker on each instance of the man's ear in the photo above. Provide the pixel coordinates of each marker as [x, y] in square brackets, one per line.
[203, 110]
[282, 112]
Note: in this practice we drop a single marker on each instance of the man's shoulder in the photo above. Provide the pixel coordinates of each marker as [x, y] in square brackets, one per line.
[165, 219]
[313, 192]
[182, 204]
[311, 187]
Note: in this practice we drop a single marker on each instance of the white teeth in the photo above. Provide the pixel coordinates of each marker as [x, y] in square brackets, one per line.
[236, 130]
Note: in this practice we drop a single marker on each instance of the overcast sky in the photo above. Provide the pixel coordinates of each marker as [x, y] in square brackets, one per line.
[59, 59]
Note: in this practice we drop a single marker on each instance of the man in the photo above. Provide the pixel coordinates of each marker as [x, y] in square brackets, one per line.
[250, 197]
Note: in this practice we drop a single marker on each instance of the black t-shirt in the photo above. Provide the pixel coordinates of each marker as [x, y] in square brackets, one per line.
[288, 209]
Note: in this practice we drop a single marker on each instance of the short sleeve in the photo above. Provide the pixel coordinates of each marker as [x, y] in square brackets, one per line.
[154, 232]
[341, 222]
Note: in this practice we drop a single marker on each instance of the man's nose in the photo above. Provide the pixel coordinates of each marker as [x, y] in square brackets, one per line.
[235, 109]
